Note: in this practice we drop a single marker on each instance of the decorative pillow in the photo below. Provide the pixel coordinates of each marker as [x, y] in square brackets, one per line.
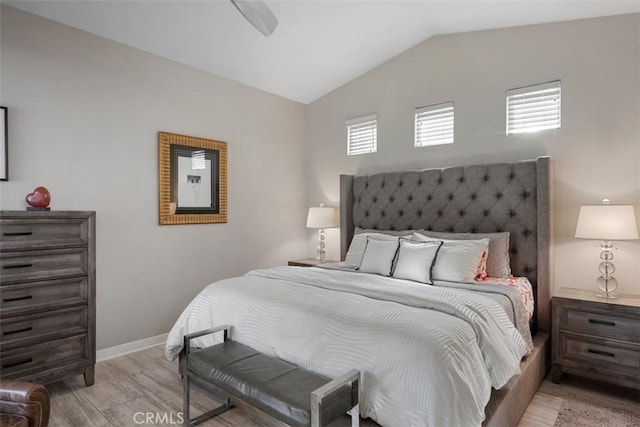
[415, 260]
[379, 256]
[481, 274]
[498, 263]
[457, 260]
[353, 259]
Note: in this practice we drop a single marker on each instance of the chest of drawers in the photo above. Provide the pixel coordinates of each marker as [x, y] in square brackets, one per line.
[595, 337]
[47, 295]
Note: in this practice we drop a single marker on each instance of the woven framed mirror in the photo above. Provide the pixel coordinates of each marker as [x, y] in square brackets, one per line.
[192, 180]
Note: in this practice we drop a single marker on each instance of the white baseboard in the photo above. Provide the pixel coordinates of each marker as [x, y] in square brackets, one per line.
[130, 347]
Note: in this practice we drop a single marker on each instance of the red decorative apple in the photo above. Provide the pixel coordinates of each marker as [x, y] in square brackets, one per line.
[39, 198]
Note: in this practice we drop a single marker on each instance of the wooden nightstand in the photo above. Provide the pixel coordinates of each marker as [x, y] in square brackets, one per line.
[309, 262]
[595, 337]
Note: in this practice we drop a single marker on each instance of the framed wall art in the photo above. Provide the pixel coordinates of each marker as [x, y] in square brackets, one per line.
[192, 180]
[4, 145]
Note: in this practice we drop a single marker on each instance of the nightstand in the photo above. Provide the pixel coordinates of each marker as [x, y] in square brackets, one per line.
[595, 337]
[309, 262]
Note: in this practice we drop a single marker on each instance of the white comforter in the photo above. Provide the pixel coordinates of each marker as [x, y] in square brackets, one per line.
[428, 355]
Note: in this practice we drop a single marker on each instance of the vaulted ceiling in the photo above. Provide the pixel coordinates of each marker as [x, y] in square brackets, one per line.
[318, 45]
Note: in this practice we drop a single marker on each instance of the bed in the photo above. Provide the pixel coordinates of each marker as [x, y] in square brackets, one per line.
[430, 355]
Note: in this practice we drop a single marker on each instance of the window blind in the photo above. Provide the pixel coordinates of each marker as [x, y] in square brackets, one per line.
[533, 108]
[434, 125]
[362, 135]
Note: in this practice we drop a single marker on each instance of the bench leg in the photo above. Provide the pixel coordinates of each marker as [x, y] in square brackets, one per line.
[208, 415]
[355, 416]
[351, 379]
[186, 401]
[187, 380]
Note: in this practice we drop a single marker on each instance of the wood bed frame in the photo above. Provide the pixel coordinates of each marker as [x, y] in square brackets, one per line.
[513, 197]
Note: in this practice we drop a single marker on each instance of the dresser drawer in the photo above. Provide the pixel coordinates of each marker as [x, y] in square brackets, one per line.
[24, 298]
[19, 362]
[600, 322]
[27, 330]
[612, 355]
[36, 233]
[18, 267]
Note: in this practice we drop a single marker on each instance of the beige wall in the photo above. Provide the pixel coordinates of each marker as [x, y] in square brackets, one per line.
[596, 153]
[84, 113]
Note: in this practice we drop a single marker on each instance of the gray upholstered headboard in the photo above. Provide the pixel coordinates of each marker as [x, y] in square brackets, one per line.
[511, 197]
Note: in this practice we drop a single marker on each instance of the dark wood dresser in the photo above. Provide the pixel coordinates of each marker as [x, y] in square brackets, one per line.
[595, 337]
[47, 295]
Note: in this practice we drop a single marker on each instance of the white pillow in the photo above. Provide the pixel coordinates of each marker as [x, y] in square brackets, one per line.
[378, 256]
[415, 260]
[498, 264]
[355, 253]
[457, 260]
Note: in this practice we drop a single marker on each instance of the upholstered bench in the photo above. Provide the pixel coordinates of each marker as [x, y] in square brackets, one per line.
[293, 395]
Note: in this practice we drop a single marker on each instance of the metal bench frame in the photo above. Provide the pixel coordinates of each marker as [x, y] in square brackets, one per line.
[318, 396]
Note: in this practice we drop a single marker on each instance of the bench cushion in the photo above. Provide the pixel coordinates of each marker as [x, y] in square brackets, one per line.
[279, 388]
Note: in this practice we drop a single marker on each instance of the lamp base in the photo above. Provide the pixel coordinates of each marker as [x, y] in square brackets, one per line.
[606, 282]
[609, 295]
[320, 253]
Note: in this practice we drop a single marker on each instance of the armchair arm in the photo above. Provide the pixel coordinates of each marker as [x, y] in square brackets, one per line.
[26, 399]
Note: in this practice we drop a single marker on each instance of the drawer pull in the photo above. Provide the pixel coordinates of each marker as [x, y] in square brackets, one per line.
[8, 267]
[19, 233]
[18, 363]
[17, 298]
[602, 322]
[601, 353]
[17, 331]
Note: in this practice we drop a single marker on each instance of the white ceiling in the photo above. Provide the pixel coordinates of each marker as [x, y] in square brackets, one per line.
[318, 45]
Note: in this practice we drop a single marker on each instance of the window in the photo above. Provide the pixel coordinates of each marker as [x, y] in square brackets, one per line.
[434, 125]
[533, 108]
[362, 135]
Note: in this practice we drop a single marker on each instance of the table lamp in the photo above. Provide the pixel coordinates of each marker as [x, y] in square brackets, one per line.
[607, 222]
[322, 217]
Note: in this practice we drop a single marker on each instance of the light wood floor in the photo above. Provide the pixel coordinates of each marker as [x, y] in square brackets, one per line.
[143, 388]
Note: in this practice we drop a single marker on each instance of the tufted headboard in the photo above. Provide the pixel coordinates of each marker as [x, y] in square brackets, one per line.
[487, 198]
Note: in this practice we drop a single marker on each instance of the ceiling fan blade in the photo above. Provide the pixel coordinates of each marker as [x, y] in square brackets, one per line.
[258, 14]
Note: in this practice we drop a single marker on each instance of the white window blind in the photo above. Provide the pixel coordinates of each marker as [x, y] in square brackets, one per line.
[434, 125]
[362, 135]
[533, 108]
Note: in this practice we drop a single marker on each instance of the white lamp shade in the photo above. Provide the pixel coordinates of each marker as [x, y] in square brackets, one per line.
[322, 217]
[607, 222]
